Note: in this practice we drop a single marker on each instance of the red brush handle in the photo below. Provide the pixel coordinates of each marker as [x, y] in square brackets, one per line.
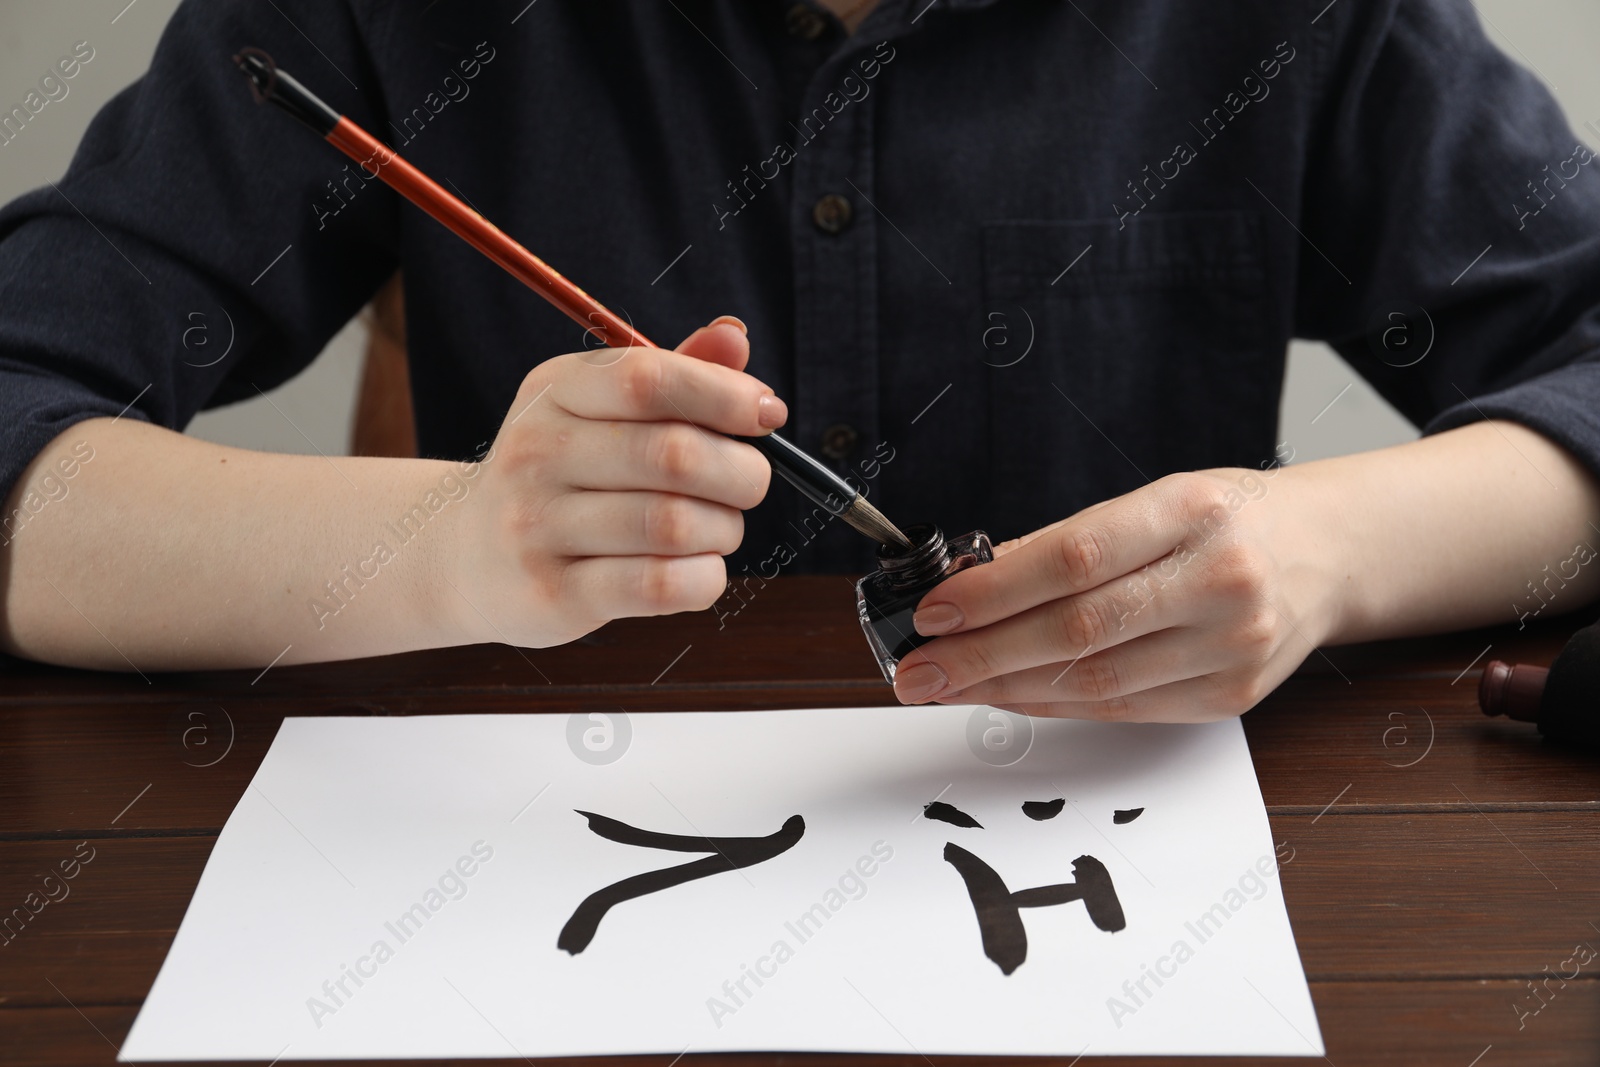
[375, 157]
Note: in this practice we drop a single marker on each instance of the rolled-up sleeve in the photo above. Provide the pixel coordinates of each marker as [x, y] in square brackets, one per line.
[188, 258]
[1453, 219]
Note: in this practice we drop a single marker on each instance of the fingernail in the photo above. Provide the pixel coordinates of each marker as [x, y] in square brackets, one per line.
[919, 682]
[771, 412]
[936, 619]
[732, 320]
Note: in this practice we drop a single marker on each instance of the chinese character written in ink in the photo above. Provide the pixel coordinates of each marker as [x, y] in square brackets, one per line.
[999, 909]
[727, 854]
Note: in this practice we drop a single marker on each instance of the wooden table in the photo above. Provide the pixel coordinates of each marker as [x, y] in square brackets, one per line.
[1440, 859]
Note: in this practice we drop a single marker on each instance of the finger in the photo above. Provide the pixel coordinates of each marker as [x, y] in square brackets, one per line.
[616, 587]
[1017, 542]
[724, 342]
[1055, 632]
[640, 524]
[1080, 554]
[1147, 662]
[651, 385]
[1207, 698]
[663, 457]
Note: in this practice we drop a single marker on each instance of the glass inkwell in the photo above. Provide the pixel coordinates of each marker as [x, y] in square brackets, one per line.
[887, 598]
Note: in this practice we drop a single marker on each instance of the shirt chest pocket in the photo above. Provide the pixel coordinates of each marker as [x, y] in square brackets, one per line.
[1153, 348]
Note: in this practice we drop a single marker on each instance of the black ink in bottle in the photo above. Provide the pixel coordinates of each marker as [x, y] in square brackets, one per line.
[887, 598]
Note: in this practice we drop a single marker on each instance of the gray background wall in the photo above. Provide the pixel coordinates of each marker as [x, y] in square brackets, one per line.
[1556, 37]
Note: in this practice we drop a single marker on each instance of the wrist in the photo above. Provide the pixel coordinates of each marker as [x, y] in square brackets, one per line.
[1321, 575]
[436, 517]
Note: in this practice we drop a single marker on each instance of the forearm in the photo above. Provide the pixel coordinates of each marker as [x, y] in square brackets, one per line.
[166, 552]
[1486, 524]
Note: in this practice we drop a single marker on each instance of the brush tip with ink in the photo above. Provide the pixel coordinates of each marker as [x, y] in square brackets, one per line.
[825, 488]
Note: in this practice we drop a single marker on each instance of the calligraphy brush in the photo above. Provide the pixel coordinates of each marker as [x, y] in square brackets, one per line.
[268, 83]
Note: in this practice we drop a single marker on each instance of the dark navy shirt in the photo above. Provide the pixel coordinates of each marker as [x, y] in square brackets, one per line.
[1003, 258]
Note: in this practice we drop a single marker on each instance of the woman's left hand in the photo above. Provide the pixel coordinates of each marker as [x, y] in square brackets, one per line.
[1185, 601]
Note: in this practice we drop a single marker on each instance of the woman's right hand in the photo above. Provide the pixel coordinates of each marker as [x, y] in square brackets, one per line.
[611, 491]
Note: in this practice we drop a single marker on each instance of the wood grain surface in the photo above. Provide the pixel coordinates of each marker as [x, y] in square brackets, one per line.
[1439, 860]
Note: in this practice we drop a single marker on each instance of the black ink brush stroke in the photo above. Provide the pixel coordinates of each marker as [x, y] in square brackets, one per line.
[999, 911]
[620, 832]
[951, 814]
[1040, 810]
[1126, 815]
[730, 854]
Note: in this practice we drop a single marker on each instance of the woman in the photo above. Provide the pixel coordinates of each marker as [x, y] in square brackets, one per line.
[1153, 197]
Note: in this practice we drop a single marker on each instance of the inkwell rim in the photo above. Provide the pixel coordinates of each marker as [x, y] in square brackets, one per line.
[926, 559]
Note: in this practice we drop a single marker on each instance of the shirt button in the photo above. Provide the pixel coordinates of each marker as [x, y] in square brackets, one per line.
[832, 214]
[839, 441]
[805, 22]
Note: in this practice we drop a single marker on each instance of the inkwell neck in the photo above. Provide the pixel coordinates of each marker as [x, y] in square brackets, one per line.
[926, 560]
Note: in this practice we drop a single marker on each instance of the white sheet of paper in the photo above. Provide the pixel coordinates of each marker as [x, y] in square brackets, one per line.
[294, 944]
